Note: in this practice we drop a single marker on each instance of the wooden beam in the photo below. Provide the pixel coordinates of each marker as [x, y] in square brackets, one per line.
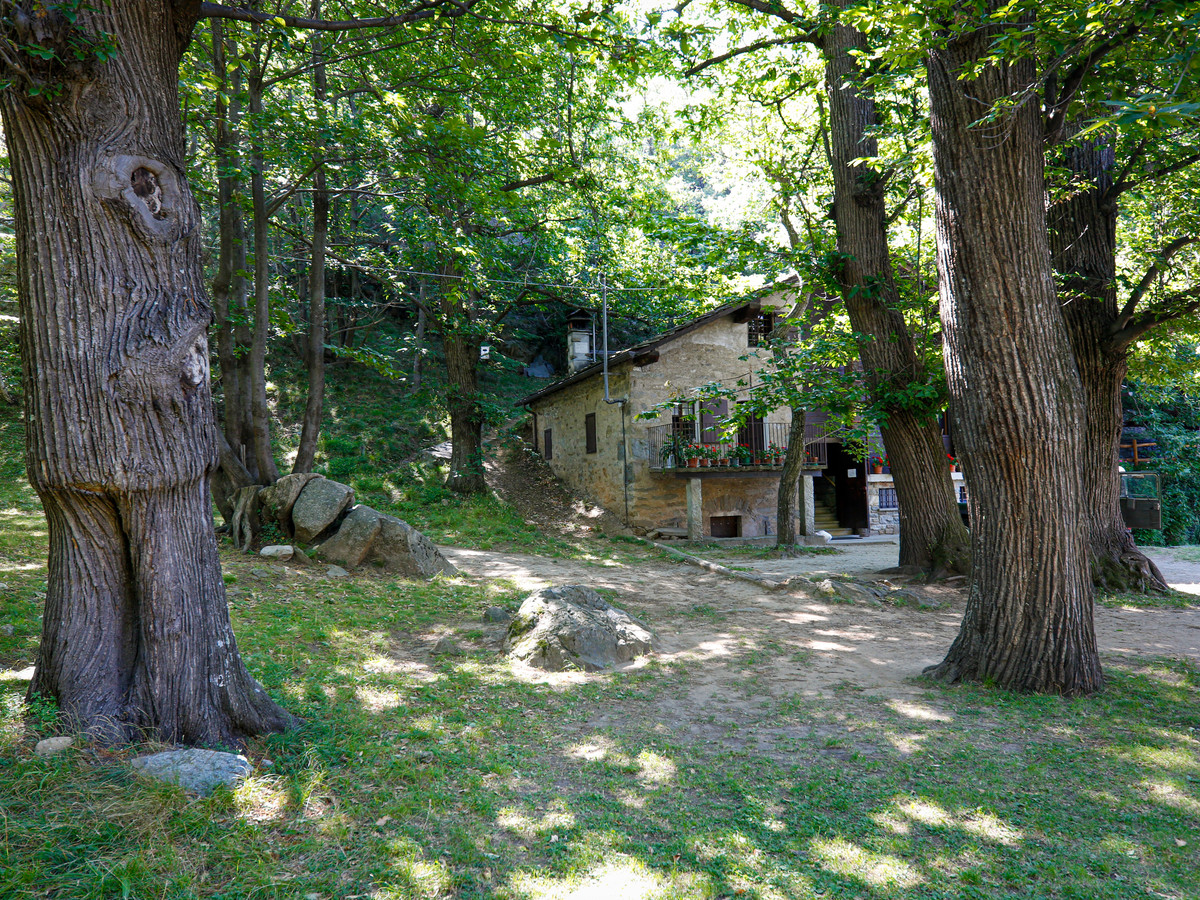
[747, 312]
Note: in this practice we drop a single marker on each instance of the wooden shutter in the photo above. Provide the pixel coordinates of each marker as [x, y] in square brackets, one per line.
[547, 445]
[589, 428]
[710, 412]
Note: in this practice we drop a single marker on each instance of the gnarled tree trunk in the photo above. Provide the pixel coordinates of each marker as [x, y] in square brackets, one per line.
[1015, 390]
[136, 638]
[932, 535]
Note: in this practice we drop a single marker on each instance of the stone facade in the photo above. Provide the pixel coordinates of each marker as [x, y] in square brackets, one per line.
[620, 474]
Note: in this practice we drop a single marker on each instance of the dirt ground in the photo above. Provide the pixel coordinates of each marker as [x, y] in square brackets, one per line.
[713, 618]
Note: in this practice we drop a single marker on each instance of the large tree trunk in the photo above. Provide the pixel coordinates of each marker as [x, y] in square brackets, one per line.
[136, 638]
[1015, 390]
[315, 351]
[932, 535]
[466, 414]
[1083, 241]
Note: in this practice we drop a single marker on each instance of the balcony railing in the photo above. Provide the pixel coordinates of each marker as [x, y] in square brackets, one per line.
[762, 445]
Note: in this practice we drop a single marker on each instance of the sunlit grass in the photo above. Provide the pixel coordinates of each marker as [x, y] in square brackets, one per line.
[417, 775]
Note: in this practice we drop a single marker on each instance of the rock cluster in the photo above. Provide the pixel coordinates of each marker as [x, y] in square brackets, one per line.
[314, 509]
[573, 627]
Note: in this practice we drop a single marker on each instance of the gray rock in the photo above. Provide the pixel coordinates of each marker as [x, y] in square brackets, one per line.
[855, 593]
[336, 572]
[52, 746]
[196, 770]
[282, 552]
[573, 627]
[447, 646]
[403, 549]
[7, 630]
[354, 538]
[497, 614]
[319, 507]
[280, 497]
[261, 574]
[825, 589]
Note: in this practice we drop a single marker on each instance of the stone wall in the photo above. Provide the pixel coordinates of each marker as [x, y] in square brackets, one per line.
[710, 353]
[887, 521]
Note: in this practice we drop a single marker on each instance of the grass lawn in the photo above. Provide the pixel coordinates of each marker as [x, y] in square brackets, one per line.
[417, 775]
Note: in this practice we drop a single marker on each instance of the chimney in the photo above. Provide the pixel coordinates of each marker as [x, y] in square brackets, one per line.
[579, 340]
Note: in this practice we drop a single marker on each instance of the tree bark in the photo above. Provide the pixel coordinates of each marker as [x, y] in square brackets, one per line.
[136, 638]
[793, 465]
[466, 413]
[315, 351]
[1083, 241]
[932, 535]
[1015, 391]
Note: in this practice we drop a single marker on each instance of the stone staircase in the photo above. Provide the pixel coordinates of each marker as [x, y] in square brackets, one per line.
[827, 520]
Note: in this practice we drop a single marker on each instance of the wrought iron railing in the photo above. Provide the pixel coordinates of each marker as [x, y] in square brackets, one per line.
[760, 445]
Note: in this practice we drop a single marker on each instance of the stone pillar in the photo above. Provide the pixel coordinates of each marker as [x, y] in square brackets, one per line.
[806, 505]
[695, 510]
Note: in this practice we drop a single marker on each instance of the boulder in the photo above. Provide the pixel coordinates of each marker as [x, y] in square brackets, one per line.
[196, 770]
[350, 546]
[280, 497]
[573, 627]
[319, 507]
[403, 549]
[281, 552]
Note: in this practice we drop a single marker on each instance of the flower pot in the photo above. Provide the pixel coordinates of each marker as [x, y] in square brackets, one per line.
[670, 462]
[876, 470]
[954, 468]
[723, 461]
[693, 463]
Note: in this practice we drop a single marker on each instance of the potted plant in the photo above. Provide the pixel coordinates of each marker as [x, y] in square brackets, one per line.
[722, 455]
[776, 453]
[953, 462]
[670, 447]
[691, 455]
[742, 454]
[877, 464]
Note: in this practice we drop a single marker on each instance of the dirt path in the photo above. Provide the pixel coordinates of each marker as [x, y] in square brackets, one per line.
[797, 646]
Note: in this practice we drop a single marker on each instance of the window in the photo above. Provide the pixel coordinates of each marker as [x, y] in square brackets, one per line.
[887, 498]
[962, 493]
[589, 429]
[759, 327]
[547, 445]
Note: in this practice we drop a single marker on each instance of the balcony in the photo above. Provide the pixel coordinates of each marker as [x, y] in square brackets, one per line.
[761, 450]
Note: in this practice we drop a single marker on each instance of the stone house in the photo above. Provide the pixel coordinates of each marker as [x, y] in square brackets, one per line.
[594, 436]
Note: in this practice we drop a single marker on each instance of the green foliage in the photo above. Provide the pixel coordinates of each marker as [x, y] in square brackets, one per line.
[1172, 420]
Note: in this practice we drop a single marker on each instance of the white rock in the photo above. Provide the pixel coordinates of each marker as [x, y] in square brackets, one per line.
[52, 746]
[336, 572]
[278, 551]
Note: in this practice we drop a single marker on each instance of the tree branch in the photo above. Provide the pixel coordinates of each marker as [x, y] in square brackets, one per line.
[1171, 308]
[425, 10]
[749, 48]
[1177, 166]
[1152, 273]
